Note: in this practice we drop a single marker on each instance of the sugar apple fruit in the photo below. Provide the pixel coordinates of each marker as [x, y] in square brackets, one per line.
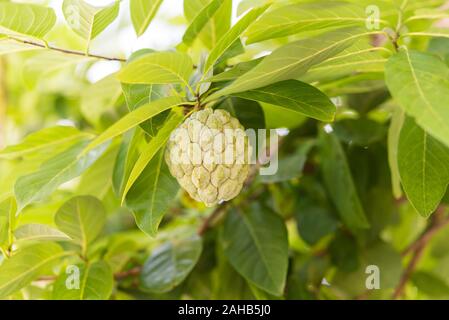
[209, 154]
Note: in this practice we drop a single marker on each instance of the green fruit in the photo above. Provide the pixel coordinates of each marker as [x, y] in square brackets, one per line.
[209, 154]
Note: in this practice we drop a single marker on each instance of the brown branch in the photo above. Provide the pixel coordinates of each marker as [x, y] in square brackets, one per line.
[207, 223]
[417, 248]
[128, 273]
[67, 51]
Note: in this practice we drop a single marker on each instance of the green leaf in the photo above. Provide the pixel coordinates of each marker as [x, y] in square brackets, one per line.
[430, 284]
[150, 150]
[217, 25]
[142, 13]
[235, 72]
[7, 221]
[314, 221]
[255, 243]
[89, 21]
[39, 232]
[158, 68]
[292, 60]
[47, 62]
[424, 172]
[152, 194]
[126, 157]
[420, 84]
[359, 132]
[96, 283]
[303, 17]
[59, 169]
[99, 98]
[336, 173]
[291, 166]
[249, 113]
[96, 180]
[134, 118]
[42, 140]
[296, 96]
[8, 46]
[137, 95]
[170, 263]
[82, 218]
[230, 37]
[26, 19]
[394, 132]
[200, 21]
[26, 265]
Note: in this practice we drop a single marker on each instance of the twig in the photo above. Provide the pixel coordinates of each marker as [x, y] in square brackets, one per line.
[72, 52]
[128, 273]
[207, 223]
[418, 247]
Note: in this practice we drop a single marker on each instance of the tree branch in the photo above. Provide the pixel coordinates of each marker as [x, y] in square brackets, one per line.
[417, 248]
[66, 51]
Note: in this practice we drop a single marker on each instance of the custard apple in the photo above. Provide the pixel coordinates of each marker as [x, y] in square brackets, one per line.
[209, 154]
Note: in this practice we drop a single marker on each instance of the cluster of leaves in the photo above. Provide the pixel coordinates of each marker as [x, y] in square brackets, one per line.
[364, 98]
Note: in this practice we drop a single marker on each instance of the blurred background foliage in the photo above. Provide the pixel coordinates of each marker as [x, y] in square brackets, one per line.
[326, 258]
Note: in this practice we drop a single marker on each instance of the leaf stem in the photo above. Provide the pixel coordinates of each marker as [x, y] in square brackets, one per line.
[417, 248]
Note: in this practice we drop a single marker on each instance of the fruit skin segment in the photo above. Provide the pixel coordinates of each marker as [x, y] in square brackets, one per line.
[209, 154]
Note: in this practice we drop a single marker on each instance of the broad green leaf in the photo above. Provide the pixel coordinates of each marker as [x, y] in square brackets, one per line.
[393, 141]
[217, 25]
[47, 62]
[361, 57]
[96, 180]
[230, 37]
[285, 119]
[59, 169]
[235, 72]
[296, 96]
[359, 132]
[39, 232]
[380, 254]
[423, 171]
[158, 68]
[7, 221]
[89, 21]
[249, 113]
[255, 243]
[39, 141]
[8, 46]
[314, 221]
[26, 19]
[142, 13]
[26, 265]
[99, 98]
[137, 95]
[170, 263]
[82, 218]
[126, 157]
[419, 82]
[150, 150]
[336, 173]
[134, 118]
[302, 17]
[200, 21]
[291, 166]
[292, 60]
[430, 284]
[95, 283]
[152, 194]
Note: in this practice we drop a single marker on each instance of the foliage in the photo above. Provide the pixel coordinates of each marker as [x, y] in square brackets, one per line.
[361, 101]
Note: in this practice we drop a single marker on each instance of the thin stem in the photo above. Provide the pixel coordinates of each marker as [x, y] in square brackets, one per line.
[418, 247]
[67, 51]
